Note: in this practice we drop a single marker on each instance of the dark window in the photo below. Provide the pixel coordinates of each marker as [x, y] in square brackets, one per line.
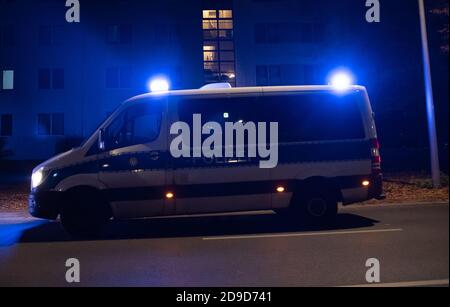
[51, 78]
[44, 124]
[309, 76]
[58, 78]
[307, 30]
[288, 33]
[119, 34]
[262, 75]
[45, 78]
[220, 110]
[7, 36]
[50, 35]
[112, 77]
[302, 118]
[45, 35]
[58, 124]
[289, 74]
[126, 34]
[6, 125]
[51, 124]
[314, 116]
[167, 33]
[119, 77]
[268, 75]
[319, 33]
[260, 33]
[125, 77]
[139, 124]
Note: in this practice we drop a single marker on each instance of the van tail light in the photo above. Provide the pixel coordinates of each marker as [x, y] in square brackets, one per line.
[376, 157]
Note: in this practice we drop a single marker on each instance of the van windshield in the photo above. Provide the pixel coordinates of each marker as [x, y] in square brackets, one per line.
[137, 124]
[91, 133]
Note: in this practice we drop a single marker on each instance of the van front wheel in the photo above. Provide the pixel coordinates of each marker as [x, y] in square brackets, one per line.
[84, 214]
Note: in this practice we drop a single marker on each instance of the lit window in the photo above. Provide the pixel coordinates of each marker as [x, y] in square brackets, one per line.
[209, 24]
[226, 24]
[210, 46]
[8, 80]
[226, 14]
[218, 46]
[210, 56]
[209, 14]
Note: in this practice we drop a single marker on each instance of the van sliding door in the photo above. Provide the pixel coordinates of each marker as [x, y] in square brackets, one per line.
[218, 184]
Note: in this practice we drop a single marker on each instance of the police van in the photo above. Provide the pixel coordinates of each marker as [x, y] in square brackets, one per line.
[328, 153]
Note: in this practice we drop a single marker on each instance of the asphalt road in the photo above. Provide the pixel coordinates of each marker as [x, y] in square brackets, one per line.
[411, 243]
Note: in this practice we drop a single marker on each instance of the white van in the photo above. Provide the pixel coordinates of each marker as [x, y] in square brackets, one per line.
[328, 153]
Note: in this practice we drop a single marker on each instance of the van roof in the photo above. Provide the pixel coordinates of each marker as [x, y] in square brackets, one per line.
[245, 90]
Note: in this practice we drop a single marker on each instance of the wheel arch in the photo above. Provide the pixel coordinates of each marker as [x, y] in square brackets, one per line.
[90, 192]
[330, 185]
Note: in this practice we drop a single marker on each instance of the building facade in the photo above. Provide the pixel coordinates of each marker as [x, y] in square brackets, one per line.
[59, 80]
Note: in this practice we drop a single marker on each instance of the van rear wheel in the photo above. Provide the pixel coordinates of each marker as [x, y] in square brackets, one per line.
[316, 206]
[85, 213]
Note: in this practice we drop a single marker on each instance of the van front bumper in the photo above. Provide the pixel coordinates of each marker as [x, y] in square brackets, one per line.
[44, 204]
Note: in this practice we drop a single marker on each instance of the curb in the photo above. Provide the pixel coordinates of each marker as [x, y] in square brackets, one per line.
[424, 203]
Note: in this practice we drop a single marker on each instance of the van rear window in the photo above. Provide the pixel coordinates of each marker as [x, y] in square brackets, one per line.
[314, 116]
[304, 117]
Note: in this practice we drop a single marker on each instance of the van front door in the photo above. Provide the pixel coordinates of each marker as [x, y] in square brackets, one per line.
[133, 163]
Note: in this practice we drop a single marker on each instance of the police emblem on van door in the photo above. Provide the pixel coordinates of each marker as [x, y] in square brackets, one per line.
[133, 161]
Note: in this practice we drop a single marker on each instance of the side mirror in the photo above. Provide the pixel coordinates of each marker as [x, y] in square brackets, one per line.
[101, 140]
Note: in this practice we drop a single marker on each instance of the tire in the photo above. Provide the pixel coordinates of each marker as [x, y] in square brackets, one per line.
[316, 206]
[85, 213]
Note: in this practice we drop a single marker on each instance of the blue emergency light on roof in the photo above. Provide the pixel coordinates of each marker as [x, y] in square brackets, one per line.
[159, 85]
[341, 80]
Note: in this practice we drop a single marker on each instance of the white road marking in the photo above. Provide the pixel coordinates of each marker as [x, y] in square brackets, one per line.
[310, 234]
[422, 283]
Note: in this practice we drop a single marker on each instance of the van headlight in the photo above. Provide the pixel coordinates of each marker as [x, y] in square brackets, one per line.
[37, 178]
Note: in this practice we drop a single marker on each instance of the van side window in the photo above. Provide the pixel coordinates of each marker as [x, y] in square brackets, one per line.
[215, 109]
[309, 117]
[139, 124]
[303, 117]
[218, 109]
